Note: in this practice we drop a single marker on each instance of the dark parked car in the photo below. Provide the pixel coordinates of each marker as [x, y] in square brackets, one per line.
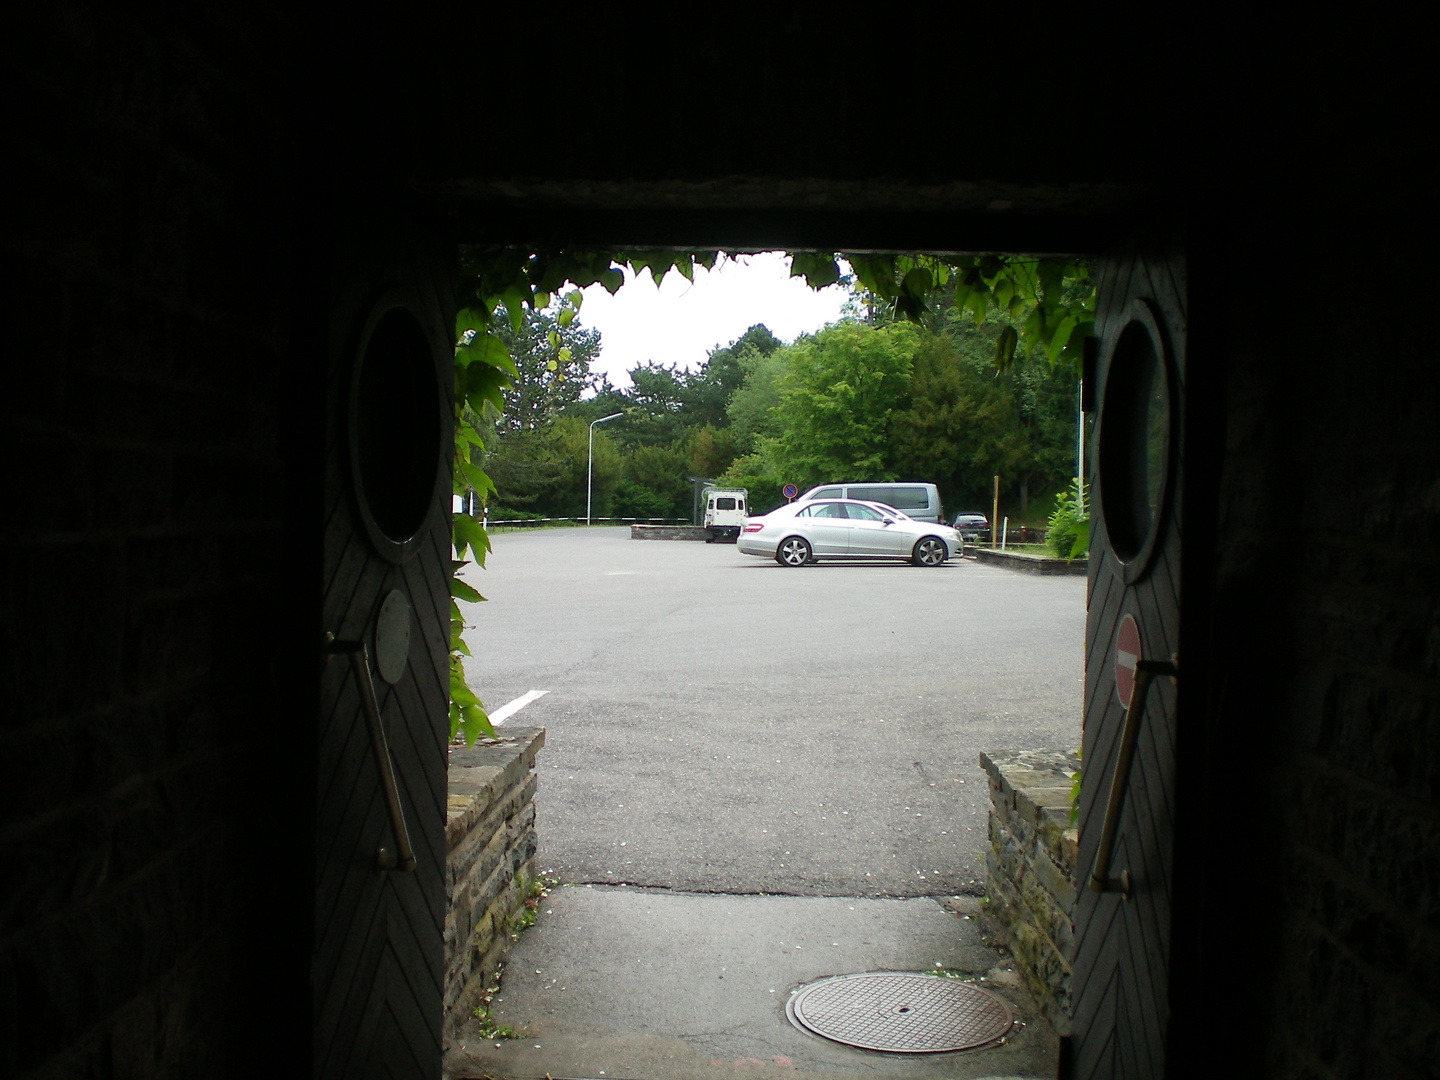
[975, 528]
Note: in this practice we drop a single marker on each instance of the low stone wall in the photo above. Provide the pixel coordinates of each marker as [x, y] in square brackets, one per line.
[668, 532]
[1030, 889]
[490, 845]
[1028, 564]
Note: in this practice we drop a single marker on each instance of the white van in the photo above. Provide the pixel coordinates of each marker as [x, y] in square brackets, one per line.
[724, 513]
[919, 501]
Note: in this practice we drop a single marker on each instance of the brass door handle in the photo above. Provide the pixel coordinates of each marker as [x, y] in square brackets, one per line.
[1145, 672]
[360, 665]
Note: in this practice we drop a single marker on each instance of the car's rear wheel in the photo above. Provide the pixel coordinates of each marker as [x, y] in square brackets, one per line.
[930, 551]
[793, 551]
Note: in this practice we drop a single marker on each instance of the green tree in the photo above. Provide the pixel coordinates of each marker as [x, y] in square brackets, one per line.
[1028, 411]
[679, 411]
[552, 353]
[710, 451]
[955, 425]
[750, 410]
[708, 391]
[655, 404]
[659, 471]
[836, 397]
[1047, 398]
[761, 476]
[543, 471]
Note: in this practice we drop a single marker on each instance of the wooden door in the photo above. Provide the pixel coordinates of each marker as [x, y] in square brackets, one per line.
[377, 965]
[1120, 987]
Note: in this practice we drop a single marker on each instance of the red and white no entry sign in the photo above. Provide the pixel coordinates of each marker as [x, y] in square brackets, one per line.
[1127, 655]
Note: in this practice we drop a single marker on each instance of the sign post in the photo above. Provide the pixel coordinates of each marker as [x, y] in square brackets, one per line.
[789, 491]
[995, 513]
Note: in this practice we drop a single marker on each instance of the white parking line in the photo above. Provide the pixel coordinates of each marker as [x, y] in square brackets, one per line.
[510, 708]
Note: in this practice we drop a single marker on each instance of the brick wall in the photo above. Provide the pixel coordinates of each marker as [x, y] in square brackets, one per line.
[490, 843]
[148, 307]
[1030, 869]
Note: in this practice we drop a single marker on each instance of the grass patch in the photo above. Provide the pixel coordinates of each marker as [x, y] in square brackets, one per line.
[532, 891]
[489, 1029]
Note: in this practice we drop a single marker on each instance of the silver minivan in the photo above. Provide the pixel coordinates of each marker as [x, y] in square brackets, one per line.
[919, 501]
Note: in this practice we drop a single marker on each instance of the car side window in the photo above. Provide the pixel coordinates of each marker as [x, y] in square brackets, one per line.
[825, 510]
[865, 513]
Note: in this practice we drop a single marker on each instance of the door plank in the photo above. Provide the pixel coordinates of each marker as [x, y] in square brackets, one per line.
[377, 959]
[1121, 949]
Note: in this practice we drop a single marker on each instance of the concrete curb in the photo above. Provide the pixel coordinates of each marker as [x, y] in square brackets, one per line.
[667, 532]
[1030, 564]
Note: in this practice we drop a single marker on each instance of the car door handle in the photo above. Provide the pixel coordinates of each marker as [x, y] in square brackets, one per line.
[359, 655]
[1145, 672]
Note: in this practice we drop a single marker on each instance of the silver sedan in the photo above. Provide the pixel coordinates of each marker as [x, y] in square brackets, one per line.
[801, 533]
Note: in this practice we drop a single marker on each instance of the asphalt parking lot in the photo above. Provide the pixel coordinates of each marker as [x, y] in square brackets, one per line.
[718, 723]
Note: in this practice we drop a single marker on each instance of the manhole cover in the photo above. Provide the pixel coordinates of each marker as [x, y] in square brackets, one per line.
[900, 1012]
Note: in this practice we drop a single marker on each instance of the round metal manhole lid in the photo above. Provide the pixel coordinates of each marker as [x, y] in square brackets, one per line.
[901, 1012]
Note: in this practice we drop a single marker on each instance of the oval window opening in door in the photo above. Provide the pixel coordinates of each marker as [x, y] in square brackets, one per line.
[1135, 441]
[395, 430]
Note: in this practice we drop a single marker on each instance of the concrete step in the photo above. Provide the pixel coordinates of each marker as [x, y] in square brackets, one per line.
[624, 984]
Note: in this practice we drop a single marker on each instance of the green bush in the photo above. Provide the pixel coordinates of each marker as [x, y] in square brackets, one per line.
[1068, 531]
[638, 501]
[505, 513]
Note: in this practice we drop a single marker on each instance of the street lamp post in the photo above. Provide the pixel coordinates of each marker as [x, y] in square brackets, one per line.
[590, 461]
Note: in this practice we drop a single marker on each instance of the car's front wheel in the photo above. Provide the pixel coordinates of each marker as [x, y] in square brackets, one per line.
[930, 551]
[793, 551]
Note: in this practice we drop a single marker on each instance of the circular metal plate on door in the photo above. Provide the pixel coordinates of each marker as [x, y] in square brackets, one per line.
[392, 637]
[901, 1012]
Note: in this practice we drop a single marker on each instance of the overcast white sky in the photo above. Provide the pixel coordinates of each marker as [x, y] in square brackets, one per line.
[681, 323]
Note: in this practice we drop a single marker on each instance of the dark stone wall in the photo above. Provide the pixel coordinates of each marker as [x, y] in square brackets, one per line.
[147, 616]
[1309, 841]
[179, 171]
[1333, 457]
